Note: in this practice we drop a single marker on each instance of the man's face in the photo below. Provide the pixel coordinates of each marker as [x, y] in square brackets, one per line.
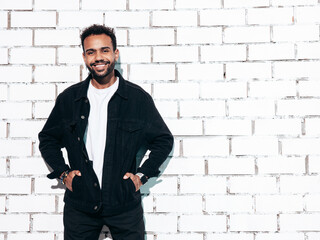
[99, 55]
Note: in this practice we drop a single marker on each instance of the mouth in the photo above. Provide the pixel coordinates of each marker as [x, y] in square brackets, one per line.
[99, 66]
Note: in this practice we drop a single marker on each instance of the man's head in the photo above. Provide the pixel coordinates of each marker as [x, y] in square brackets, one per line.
[99, 50]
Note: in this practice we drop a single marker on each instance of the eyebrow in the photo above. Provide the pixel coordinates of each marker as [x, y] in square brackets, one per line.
[92, 49]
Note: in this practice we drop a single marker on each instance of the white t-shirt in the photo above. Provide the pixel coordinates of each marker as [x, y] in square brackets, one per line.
[97, 125]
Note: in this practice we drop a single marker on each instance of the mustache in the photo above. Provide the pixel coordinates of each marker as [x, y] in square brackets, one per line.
[99, 62]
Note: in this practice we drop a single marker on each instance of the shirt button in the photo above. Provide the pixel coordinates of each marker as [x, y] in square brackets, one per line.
[95, 207]
[83, 117]
[87, 161]
[78, 139]
[95, 184]
[86, 101]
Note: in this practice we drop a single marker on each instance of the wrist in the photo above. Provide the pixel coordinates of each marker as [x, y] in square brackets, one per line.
[143, 178]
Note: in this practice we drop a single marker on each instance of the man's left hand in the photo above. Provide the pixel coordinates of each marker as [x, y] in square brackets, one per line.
[135, 179]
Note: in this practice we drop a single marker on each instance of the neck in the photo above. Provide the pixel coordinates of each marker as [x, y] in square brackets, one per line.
[107, 81]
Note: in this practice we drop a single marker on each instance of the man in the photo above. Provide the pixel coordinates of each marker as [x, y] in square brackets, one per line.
[103, 122]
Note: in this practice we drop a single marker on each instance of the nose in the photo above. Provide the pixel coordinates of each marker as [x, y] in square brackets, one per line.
[98, 57]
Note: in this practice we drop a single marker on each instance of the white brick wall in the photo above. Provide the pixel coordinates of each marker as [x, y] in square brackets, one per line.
[237, 82]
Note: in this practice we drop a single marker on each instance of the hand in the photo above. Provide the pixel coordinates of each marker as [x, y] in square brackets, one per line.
[135, 179]
[69, 178]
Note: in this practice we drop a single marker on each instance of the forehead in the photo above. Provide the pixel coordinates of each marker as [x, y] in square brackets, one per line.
[97, 41]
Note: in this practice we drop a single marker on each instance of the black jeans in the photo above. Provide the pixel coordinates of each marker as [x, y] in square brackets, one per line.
[82, 226]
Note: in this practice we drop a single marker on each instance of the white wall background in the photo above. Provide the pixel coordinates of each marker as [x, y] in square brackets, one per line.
[237, 81]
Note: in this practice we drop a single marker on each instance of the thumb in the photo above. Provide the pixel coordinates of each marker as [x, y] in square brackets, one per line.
[126, 176]
[77, 172]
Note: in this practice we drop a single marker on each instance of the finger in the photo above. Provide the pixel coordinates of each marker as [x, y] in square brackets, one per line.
[127, 175]
[77, 172]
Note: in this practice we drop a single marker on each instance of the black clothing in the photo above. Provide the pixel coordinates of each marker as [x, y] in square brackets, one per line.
[133, 124]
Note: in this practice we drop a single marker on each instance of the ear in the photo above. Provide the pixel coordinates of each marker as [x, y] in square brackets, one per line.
[83, 56]
[116, 53]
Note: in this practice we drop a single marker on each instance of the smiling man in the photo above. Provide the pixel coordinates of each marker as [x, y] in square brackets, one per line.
[103, 122]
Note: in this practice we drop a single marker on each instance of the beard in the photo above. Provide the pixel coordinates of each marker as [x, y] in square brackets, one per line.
[99, 76]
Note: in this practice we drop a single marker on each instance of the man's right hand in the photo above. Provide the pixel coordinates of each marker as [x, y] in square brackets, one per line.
[69, 178]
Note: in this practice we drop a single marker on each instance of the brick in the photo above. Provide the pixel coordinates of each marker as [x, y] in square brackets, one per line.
[3, 129]
[203, 185]
[231, 166]
[57, 74]
[307, 50]
[313, 236]
[257, 222]
[99, 5]
[254, 146]
[56, 37]
[15, 147]
[147, 203]
[280, 236]
[16, 5]
[223, 53]
[25, 128]
[47, 222]
[174, 18]
[2, 204]
[314, 164]
[251, 108]
[270, 16]
[227, 127]
[312, 202]
[32, 92]
[278, 203]
[301, 146]
[167, 108]
[79, 19]
[202, 108]
[203, 223]
[3, 92]
[297, 69]
[161, 185]
[206, 146]
[184, 166]
[16, 74]
[31, 204]
[3, 56]
[312, 126]
[199, 35]
[43, 109]
[47, 186]
[33, 56]
[248, 70]
[21, 222]
[229, 204]
[152, 72]
[158, 36]
[299, 107]
[33, 19]
[200, 71]
[278, 51]
[222, 17]
[308, 14]
[299, 184]
[62, 86]
[22, 110]
[135, 55]
[272, 89]
[70, 56]
[56, 5]
[183, 4]
[176, 90]
[299, 222]
[295, 33]
[16, 37]
[180, 236]
[161, 223]
[245, 3]
[293, 2]
[30, 236]
[281, 165]
[11, 185]
[185, 127]
[175, 54]
[28, 166]
[145, 4]
[277, 127]
[180, 204]
[224, 90]
[247, 34]
[229, 236]
[3, 19]
[127, 19]
[252, 185]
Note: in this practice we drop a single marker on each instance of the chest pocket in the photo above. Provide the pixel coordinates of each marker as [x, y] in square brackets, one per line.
[129, 134]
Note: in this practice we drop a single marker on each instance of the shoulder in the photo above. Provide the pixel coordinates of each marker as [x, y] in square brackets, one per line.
[137, 91]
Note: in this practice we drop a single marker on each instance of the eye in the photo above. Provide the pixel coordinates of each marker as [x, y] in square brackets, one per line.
[106, 50]
[89, 53]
